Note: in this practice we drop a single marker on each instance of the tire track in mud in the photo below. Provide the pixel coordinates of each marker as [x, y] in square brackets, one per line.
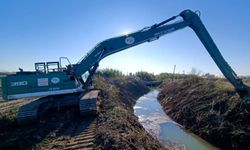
[78, 134]
[83, 136]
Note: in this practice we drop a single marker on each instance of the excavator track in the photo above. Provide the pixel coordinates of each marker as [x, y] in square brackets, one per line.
[29, 112]
[88, 103]
[33, 110]
[8, 105]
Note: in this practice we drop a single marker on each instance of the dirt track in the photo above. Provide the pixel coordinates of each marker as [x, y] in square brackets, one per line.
[59, 130]
[79, 134]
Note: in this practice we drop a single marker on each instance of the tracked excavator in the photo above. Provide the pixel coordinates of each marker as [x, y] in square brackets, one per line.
[55, 85]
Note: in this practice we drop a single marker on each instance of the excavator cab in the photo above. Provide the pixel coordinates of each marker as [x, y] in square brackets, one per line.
[54, 66]
[43, 67]
[40, 67]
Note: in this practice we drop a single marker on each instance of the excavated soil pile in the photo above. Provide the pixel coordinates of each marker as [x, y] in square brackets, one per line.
[209, 108]
[118, 127]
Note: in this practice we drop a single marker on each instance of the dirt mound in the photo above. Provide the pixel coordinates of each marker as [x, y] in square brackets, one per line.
[118, 127]
[209, 108]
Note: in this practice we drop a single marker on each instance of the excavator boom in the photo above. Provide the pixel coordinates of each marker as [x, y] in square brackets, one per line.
[148, 34]
[117, 44]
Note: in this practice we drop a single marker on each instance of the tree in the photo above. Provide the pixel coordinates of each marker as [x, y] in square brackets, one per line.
[143, 75]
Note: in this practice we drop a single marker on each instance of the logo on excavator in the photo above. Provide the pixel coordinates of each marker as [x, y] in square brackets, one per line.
[129, 40]
[55, 80]
[20, 83]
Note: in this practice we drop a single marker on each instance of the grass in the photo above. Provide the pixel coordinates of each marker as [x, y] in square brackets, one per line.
[118, 127]
[116, 111]
[222, 85]
[8, 118]
[101, 83]
[211, 108]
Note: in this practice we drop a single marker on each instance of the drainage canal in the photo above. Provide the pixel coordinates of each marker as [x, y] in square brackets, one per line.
[168, 132]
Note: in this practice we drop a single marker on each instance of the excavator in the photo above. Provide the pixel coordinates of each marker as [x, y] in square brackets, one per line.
[56, 85]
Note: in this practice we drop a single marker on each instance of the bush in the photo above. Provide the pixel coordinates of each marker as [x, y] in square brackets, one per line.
[145, 76]
[108, 73]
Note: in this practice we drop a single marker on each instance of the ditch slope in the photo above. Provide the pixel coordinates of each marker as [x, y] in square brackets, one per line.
[210, 109]
[118, 127]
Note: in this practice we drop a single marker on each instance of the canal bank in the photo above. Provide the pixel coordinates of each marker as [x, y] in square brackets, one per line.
[117, 126]
[163, 128]
[210, 108]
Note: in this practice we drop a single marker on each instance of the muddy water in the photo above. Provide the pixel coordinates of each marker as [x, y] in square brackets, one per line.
[168, 132]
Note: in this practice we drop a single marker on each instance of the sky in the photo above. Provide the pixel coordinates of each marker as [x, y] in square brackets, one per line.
[42, 31]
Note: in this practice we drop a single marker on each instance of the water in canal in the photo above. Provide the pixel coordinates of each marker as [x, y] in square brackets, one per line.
[168, 132]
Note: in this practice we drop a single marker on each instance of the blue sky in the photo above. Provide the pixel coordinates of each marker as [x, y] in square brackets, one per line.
[36, 31]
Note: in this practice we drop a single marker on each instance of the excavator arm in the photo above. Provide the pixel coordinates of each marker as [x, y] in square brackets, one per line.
[117, 44]
[194, 22]
[88, 65]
